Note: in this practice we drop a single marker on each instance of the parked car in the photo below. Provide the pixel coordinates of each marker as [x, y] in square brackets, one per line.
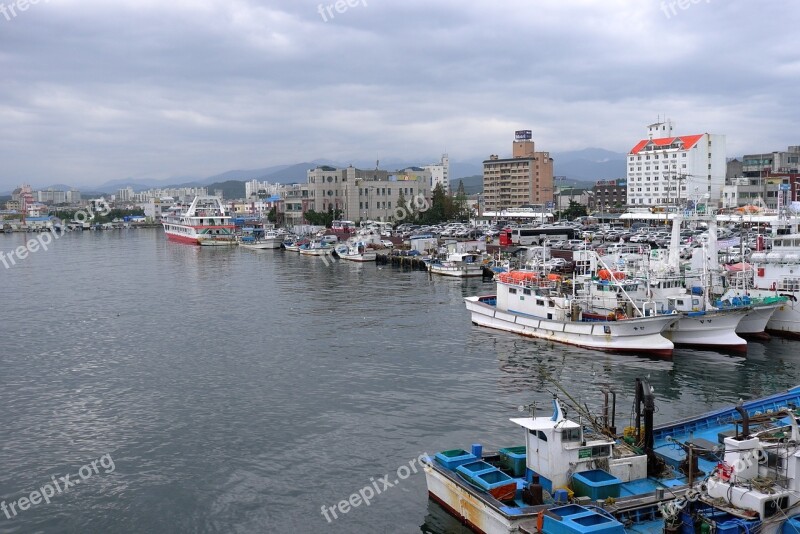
[387, 243]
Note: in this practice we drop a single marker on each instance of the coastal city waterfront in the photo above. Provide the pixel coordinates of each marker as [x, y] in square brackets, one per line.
[236, 389]
[385, 267]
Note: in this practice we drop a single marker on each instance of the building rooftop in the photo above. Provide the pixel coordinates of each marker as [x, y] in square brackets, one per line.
[688, 141]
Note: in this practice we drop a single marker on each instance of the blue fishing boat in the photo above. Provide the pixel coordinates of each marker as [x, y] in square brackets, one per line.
[731, 471]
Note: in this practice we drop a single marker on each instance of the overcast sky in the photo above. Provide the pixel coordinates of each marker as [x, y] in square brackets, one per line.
[98, 90]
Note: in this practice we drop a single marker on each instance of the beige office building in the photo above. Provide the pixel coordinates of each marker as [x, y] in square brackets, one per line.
[367, 194]
[525, 178]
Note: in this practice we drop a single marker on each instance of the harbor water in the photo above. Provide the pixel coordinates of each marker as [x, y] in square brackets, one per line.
[231, 390]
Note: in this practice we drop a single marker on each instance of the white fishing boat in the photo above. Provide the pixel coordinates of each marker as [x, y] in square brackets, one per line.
[777, 273]
[356, 251]
[658, 277]
[316, 248]
[531, 306]
[205, 222]
[458, 264]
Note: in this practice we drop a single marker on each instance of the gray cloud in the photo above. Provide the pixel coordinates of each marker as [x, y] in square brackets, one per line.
[93, 90]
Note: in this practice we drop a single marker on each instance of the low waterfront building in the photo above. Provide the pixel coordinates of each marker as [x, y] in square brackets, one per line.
[609, 196]
[766, 180]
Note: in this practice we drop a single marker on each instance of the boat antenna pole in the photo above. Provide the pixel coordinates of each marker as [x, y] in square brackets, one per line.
[577, 406]
[645, 399]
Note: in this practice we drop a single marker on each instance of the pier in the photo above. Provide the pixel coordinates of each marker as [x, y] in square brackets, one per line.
[406, 262]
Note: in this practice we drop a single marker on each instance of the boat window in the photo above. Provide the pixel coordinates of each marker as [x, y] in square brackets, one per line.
[551, 304]
[512, 290]
[538, 434]
[790, 284]
[539, 302]
[526, 291]
[571, 434]
[600, 450]
[695, 302]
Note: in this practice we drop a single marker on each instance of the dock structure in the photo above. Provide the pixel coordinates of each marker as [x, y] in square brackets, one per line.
[406, 262]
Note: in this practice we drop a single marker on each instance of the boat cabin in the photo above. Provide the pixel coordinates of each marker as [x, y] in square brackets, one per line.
[685, 303]
[557, 448]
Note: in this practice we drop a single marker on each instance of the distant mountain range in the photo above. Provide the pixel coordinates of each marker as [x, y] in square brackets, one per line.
[580, 167]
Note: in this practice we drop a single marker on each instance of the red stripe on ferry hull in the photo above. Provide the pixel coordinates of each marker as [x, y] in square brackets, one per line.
[182, 239]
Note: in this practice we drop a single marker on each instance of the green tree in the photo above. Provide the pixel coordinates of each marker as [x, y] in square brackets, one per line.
[324, 218]
[460, 209]
[440, 209]
[574, 210]
[402, 207]
[272, 215]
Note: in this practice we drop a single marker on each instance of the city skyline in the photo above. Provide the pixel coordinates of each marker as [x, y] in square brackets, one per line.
[146, 90]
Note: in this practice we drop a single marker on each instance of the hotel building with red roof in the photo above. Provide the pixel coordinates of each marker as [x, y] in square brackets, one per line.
[666, 169]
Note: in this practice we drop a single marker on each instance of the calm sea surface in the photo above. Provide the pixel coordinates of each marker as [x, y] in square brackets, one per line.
[240, 391]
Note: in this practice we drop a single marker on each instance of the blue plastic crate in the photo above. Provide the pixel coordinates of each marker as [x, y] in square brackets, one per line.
[595, 484]
[513, 459]
[575, 519]
[475, 468]
[454, 457]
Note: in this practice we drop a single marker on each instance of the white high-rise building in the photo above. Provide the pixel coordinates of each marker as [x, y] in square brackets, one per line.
[440, 173]
[665, 169]
[253, 187]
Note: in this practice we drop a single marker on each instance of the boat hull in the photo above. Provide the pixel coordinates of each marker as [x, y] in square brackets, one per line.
[256, 246]
[785, 321]
[641, 336]
[272, 242]
[715, 330]
[216, 241]
[186, 239]
[754, 323]
[365, 257]
[316, 251]
[464, 504]
[457, 272]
